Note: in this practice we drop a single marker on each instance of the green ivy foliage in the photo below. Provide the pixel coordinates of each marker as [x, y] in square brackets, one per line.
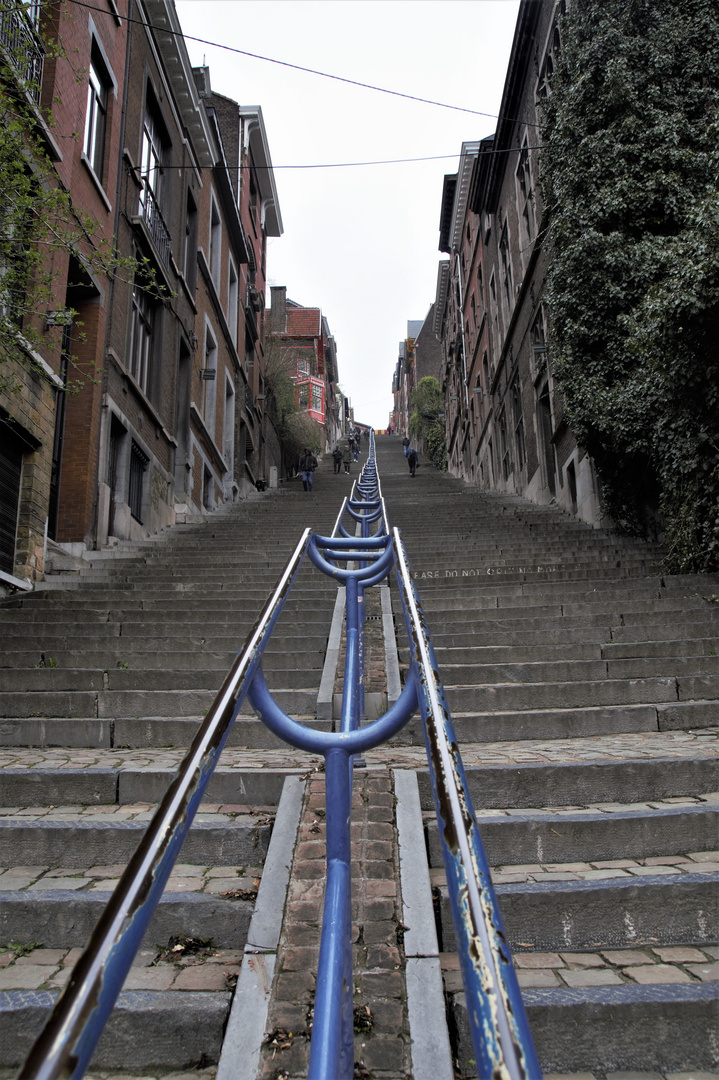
[427, 419]
[630, 179]
[40, 226]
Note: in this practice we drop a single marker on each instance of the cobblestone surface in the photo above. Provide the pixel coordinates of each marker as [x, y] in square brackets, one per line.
[250, 815]
[185, 877]
[695, 862]
[179, 966]
[381, 1038]
[642, 745]
[646, 965]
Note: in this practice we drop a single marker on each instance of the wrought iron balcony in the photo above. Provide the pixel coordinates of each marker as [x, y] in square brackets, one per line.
[158, 230]
[23, 49]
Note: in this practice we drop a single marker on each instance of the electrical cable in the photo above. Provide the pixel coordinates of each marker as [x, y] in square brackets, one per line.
[360, 164]
[307, 70]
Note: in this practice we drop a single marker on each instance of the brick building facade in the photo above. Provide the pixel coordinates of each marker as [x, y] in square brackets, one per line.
[505, 424]
[165, 348]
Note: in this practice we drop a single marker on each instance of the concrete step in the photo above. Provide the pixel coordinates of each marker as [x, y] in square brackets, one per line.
[80, 840]
[610, 914]
[147, 1030]
[579, 782]
[564, 695]
[127, 785]
[627, 1030]
[140, 703]
[141, 732]
[602, 832]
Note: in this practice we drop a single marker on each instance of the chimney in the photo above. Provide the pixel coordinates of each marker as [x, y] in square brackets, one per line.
[278, 309]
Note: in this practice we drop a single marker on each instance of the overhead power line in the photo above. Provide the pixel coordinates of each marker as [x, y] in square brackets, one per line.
[307, 70]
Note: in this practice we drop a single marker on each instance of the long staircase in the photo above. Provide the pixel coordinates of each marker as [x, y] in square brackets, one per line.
[584, 688]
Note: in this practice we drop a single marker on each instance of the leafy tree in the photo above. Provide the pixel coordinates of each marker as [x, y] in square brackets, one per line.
[295, 428]
[427, 419]
[629, 173]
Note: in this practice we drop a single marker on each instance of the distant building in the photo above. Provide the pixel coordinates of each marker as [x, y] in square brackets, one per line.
[302, 336]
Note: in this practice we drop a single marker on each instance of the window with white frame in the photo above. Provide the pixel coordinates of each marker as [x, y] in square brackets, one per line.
[209, 381]
[141, 337]
[317, 398]
[151, 157]
[96, 114]
[228, 427]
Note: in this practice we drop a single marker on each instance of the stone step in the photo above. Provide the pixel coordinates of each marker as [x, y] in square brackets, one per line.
[625, 1030]
[125, 784]
[581, 782]
[146, 1029]
[602, 832]
[611, 913]
[48, 680]
[139, 703]
[579, 694]
[101, 839]
[140, 732]
[276, 658]
[565, 671]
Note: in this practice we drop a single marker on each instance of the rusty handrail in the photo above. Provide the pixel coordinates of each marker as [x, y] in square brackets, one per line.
[498, 1022]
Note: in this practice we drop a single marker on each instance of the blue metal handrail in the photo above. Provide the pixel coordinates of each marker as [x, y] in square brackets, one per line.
[500, 1032]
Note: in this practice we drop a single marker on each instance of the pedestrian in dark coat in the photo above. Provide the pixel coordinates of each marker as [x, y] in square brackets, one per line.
[337, 458]
[308, 464]
[412, 458]
[405, 444]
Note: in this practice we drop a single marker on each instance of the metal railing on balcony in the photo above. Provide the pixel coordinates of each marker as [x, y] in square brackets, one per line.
[498, 1023]
[156, 226]
[23, 48]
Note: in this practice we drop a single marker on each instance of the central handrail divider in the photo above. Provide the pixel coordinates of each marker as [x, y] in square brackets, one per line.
[498, 1023]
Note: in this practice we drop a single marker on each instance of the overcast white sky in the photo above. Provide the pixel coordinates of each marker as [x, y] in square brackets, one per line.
[361, 243]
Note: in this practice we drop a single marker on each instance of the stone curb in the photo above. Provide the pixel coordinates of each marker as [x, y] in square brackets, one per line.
[240, 1056]
[430, 1048]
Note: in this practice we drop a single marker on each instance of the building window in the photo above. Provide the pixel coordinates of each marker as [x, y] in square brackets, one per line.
[317, 398]
[525, 195]
[209, 381]
[546, 73]
[153, 195]
[215, 249]
[95, 117]
[141, 337]
[518, 423]
[233, 291]
[138, 466]
[151, 157]
[504, 446]
[506, 267]
[228, 428]
[190, 254]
